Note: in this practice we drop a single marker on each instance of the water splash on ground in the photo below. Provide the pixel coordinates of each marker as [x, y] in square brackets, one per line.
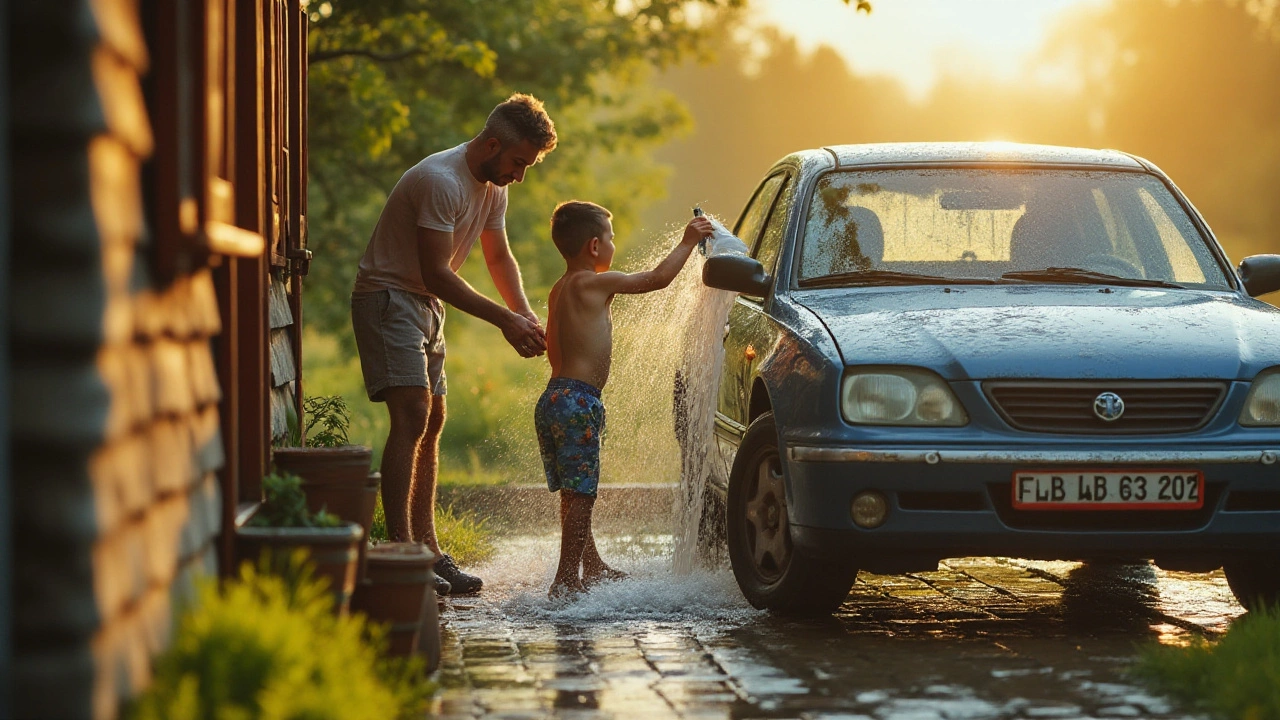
[517, 583]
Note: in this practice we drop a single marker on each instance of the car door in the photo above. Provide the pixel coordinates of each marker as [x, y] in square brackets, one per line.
[748, 330]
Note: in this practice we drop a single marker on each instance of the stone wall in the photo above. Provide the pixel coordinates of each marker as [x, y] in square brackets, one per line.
[115, 413]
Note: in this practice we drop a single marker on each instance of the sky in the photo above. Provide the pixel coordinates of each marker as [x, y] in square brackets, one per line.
[916, 41]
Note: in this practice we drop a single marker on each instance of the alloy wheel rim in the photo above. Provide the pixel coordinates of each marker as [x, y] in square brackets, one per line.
[767, 533]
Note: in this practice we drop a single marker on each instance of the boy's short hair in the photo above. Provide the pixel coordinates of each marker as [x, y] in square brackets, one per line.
[519, 118]
[575, 222]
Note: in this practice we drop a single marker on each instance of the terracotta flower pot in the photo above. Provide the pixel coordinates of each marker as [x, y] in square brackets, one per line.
[399, 590]
[334, 479]
[334, 551]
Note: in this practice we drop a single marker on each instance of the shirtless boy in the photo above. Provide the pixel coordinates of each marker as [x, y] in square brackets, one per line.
[570, 416]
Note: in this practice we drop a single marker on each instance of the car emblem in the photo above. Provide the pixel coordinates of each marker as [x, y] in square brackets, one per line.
[1108, 407]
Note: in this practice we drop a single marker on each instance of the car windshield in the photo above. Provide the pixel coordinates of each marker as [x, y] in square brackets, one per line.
[975, 225]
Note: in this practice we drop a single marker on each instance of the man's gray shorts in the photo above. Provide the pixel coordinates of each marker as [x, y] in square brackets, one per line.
[400, 338]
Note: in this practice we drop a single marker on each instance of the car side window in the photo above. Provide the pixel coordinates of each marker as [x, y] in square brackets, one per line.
[753, 218]
[766, 249]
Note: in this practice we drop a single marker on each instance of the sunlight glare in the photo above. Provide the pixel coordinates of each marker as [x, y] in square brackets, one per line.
[921, 41]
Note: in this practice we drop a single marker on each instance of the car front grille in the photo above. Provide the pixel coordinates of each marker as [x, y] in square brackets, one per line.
[1068, 406]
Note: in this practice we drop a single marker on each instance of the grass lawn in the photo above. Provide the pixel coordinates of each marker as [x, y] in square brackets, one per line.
[461, 534]
[1236, 676]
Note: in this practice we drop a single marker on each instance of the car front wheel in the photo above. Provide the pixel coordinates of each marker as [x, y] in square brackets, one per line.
[1255, 580]
[772, 573]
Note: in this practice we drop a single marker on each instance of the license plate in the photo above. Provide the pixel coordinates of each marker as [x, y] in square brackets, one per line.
[1108, 490]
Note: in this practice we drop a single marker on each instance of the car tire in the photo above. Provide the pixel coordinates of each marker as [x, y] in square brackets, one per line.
[1255, 581]
[772, 573]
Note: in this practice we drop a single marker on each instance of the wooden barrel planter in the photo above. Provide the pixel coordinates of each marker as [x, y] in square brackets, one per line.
[333, 551]
[397, 591]
[334, 479]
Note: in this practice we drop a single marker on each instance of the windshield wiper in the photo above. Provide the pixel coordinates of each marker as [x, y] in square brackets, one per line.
[889, 277]
[1073, 274]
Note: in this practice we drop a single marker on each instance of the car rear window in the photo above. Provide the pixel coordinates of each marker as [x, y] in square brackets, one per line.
[983, 223]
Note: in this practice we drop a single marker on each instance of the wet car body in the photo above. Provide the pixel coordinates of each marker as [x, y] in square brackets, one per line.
[1023, 359]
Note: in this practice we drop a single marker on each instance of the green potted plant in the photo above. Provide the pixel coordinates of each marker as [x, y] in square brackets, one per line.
[335, 474]
[283, 525]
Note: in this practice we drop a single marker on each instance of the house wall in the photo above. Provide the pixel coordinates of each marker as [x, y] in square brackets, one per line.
[284, 371]
[115, 394]
[6, 538]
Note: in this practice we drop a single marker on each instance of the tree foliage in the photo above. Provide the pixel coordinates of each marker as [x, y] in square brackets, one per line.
[392, 81]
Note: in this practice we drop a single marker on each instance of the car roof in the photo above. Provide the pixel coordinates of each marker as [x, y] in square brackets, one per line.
[983, 153]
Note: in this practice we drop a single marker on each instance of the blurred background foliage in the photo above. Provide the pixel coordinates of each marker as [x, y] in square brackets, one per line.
[663, 104]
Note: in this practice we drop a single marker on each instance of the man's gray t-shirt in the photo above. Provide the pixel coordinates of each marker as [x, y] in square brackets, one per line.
[439, 193]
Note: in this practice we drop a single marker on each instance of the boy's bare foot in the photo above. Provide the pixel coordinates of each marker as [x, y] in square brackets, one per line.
[604, 574]
[564, 589]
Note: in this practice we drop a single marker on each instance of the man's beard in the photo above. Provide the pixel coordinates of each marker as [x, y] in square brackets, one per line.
[489, 170]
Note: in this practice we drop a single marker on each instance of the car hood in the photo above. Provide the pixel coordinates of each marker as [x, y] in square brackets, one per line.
[1037, 331]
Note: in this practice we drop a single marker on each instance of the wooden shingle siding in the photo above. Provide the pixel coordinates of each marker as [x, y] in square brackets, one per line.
[284, 371]
[115, 402]
[57, 398]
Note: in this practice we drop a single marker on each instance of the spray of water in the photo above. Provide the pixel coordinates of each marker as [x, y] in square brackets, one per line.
[660, 428]
[666, 386]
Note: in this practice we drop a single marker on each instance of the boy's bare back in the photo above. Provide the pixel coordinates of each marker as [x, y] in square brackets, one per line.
[580, 329]
[579, 323]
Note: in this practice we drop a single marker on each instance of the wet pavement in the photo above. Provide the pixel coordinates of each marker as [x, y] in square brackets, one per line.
[978, 638]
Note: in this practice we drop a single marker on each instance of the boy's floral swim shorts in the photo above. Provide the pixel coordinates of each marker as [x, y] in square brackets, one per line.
[569, 418]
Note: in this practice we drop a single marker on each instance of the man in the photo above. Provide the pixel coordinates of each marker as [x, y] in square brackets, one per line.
[431, 220]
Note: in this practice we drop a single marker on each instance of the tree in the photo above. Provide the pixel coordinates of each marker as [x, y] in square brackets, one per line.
[392, 81]
[1195, 88]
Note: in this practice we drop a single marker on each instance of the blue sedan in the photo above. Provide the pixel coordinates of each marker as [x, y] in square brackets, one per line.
[944, 350]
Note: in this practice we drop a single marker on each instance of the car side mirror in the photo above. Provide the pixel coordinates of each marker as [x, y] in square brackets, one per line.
[736, 273]
[1260, 273]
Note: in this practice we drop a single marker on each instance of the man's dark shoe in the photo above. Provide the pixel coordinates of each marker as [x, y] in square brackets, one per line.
[442, 586]
[462, 583]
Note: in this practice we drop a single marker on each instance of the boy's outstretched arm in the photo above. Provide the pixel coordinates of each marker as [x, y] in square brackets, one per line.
[660, 276]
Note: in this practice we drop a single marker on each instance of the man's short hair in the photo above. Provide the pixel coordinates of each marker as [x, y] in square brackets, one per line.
[575, 222]
[521, 118]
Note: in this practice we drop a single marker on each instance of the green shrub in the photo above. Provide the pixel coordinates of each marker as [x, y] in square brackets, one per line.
[270, 648]
[285, 505]
[467, 538]
[1237, 676]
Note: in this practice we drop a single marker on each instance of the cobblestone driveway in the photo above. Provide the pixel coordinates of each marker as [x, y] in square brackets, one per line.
[979, 638]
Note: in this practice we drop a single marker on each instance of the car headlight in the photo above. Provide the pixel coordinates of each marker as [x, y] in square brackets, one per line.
[900, 396]
[1262, 407]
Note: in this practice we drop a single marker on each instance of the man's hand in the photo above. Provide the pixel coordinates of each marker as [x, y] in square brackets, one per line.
[697, 229]
[525, 335]
[532, 317]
